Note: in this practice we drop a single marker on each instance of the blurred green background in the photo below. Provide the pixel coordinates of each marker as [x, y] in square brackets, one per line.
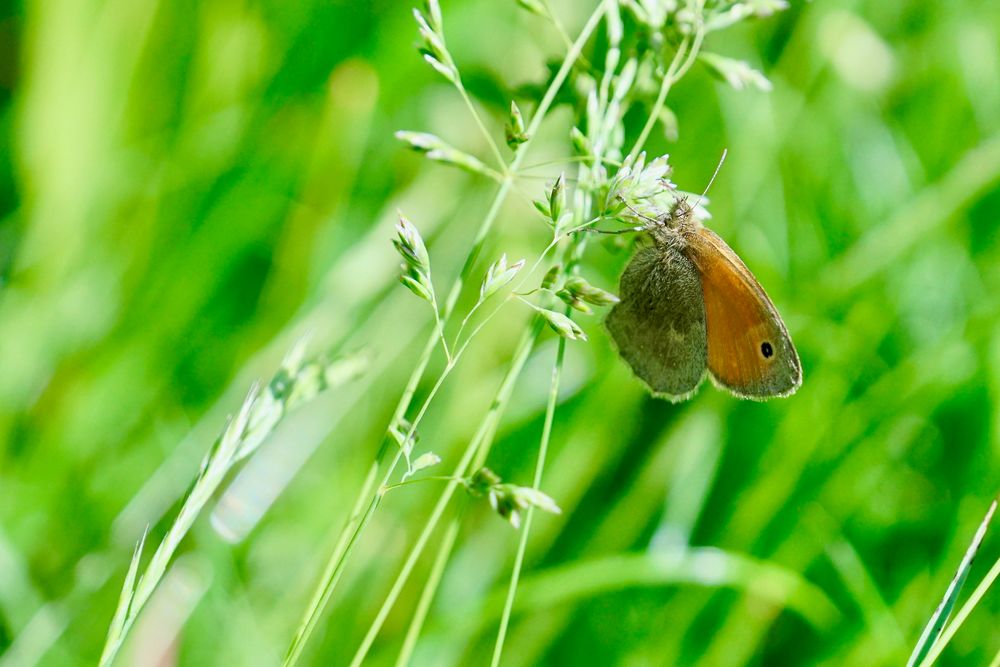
[186, 188]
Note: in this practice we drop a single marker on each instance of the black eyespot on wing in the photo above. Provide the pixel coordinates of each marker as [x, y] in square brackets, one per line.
[767, 350]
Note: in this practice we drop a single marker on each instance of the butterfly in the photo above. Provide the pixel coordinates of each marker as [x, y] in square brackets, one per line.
[689, 307]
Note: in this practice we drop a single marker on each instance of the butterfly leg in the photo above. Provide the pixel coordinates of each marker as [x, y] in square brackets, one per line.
[627, 230]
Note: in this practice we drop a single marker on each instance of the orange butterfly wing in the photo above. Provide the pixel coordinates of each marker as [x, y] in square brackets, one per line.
[749, 350]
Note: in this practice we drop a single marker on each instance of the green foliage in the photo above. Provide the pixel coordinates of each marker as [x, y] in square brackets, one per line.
[187, 190]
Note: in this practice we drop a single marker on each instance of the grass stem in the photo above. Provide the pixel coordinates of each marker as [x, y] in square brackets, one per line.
[331, 574]
[483, 434]
[543, 448]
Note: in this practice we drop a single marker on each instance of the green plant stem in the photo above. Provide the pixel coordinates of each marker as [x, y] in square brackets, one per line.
[484, 432]
[465, 322]
[439, 327]
[444, 550]
[561, 30]
[332, 574]
[409, 482]
[493, 174]
[543, 448]
[359, 520]
[571, 159]
[354, 528]
[678, 65]
[334, 568]
[931, 637]
[963, 613]
[482, 127]
[661, 97]
[427, 595]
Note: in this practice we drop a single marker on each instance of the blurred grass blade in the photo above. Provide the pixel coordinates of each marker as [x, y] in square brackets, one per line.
[935, 625]
[117, 630]
[702, 566]
[215, 466]
[963, 613]
[295, 382]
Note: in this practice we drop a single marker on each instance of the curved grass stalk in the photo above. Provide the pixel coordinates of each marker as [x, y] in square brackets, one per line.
[479, 446]
[354, 527]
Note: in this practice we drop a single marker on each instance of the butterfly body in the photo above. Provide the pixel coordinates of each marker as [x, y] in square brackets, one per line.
[690, 307]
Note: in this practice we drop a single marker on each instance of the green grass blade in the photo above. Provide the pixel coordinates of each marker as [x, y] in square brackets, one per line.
[117, 629]
[932, 631]
[702, 566]
[963, 613]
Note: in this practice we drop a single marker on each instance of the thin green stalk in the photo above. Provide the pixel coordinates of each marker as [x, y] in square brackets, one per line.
[556, 23]
[338, 560]
[427, 595]
[699, 37]
[661, 98]
[465, 322]
[445, 548]
[486, 427]
[335, 566]
[543, 448]
[410, 482]
[931, 637]
[262, 411]
[678, 66]
[439, 327]
[561, 30]
[332, 573]
[963, 613]
[570, 159]
[482, 126]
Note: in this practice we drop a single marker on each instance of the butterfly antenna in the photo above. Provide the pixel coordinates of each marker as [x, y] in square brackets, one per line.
[725, 151]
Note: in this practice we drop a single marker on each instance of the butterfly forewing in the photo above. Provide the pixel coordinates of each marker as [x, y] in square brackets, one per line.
[659, 325]
[749, 350]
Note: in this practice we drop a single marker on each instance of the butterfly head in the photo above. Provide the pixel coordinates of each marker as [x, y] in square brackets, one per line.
[672, 226]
